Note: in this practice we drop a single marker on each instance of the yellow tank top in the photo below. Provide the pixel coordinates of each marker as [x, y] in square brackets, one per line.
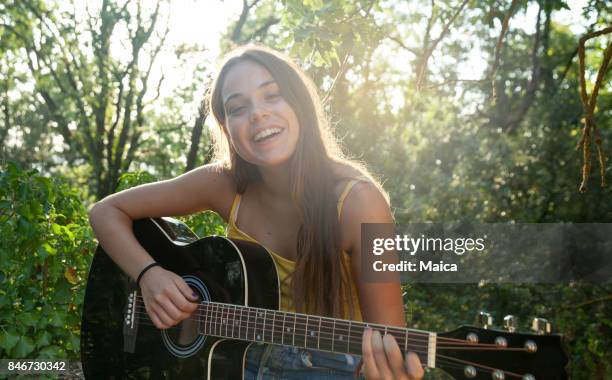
[285, 267]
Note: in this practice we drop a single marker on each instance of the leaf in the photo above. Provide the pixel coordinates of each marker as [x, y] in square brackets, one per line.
[8, 340]
[71, 275]
[56, 228]
[49, 249]
[75, 342]
[24, 347]
[43, 339]
[56, 319]
[50, 352]
[28, 319]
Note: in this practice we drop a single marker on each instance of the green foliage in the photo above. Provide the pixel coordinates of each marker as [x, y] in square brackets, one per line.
[45, 250]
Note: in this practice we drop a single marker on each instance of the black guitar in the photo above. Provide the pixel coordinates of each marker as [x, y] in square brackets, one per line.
[239, 288]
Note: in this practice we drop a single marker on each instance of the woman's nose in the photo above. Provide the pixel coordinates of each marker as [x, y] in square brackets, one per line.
[258, 111]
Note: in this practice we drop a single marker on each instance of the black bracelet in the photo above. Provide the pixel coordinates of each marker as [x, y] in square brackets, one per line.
[144, 271]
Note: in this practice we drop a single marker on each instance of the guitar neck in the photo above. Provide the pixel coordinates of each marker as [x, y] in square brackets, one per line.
[305, 331]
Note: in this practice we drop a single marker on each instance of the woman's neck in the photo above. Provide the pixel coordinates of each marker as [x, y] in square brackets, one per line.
[276, 182]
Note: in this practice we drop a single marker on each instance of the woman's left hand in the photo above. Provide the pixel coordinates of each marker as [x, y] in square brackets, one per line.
[383, 359]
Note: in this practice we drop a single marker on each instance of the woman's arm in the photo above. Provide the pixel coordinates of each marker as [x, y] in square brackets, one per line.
[167, 296]
[380, 302]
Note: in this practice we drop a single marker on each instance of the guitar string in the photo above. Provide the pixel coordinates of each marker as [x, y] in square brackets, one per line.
[329, 336]
[300, 320]
[226, 310]
[248, 309]
[443, 359]
[352, 342]
[299, 326]
[356, 324]
[354, 333]
[396, 332]
[411, 332]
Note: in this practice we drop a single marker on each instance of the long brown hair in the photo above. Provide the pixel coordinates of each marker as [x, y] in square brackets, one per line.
[321, 281]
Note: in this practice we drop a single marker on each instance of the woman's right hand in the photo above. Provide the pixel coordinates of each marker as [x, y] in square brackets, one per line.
[168, 299]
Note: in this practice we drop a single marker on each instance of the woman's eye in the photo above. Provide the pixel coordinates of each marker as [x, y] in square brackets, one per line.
[236, 110]
[273, 96]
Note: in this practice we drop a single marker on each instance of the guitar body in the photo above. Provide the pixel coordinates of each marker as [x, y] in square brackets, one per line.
[218, 269]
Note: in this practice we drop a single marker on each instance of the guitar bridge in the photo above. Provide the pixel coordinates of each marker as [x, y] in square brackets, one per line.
[130, 323]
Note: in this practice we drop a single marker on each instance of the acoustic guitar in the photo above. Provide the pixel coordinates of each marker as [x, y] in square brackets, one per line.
[239, 290]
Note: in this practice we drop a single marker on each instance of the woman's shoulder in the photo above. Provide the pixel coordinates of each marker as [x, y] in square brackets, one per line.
[362, 200]
[346, 175]
[358, 192]
[352, 179]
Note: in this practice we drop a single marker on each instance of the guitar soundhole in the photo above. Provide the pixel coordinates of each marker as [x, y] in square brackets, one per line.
[184, 334]
[184, 340]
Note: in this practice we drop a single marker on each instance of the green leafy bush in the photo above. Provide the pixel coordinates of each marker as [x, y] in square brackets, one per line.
[46, 246]
[45, 250]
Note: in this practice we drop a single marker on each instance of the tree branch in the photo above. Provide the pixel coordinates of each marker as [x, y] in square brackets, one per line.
[500, 39]
[589, 107]
[527, 100]
[237, 31]
[429, 50]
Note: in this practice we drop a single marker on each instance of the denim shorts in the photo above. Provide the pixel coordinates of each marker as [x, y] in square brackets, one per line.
[271, 362]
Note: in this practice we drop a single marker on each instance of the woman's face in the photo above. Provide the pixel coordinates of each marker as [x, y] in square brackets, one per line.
[262, 126]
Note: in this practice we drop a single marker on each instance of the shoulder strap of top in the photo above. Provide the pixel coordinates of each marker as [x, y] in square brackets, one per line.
[347, 190]
[234, 210]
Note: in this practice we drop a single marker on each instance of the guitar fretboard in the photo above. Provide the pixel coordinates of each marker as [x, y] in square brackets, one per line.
[307, 331]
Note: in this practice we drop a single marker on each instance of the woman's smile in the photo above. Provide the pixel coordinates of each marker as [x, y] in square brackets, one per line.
[267, 134]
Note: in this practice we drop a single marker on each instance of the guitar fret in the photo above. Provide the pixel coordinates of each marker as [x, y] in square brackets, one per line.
[326, 334]
[333, 336]
[277, 331]
[263, 327]
[273, 318]
[305, 331]
[294, 318]
[212, 319]
[216, 315]
[300, 330]
[348, 341]
[230, 320]
[236, 322]
[202, 330]
[239, 321]
[255, 327]
[226, 320]
[219, 320]
[319, 334]
[246, 333]
[283, 331]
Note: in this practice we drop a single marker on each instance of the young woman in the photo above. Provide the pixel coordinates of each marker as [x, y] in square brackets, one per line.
[278, 179]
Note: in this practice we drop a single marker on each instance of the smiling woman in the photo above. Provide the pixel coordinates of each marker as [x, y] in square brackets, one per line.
[280, 180]
[262, 126]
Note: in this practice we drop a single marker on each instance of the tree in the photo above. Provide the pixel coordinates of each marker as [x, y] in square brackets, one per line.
[93, 99]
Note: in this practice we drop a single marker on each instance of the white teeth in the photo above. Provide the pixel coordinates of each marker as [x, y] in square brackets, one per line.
[265, 133]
